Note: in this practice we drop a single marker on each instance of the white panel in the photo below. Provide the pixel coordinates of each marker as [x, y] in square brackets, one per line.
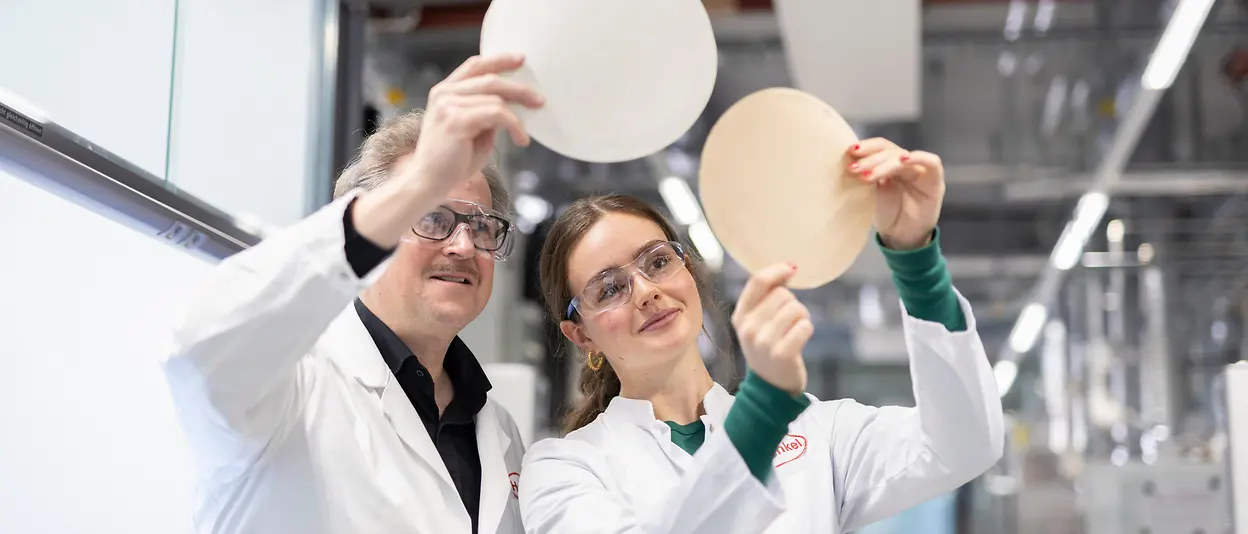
[1173, 496]
[100, 68]
[515, 387]
[1237, 414]
[246, 86]
[488, 335]
[861, 57]
[90, 442]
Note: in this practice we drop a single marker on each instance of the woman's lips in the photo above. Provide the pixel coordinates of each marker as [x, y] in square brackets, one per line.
[660, 319]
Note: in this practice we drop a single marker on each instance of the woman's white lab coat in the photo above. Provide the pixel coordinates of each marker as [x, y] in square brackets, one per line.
[296, 422]
[842, 466]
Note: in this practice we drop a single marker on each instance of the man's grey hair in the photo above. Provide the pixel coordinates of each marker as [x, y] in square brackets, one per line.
[393, 140]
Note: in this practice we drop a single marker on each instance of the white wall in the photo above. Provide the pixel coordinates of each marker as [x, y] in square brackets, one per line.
[100, 68]
[90, 444]
[245, 91]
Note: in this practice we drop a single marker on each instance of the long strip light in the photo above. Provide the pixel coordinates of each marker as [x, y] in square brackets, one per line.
[680, 200]
[708, 245]
[1175, 44]
[685, 208]
[1088, 214]
[1163, 67]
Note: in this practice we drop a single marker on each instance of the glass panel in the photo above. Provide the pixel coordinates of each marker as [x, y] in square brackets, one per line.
[247, 108]
[99, 69]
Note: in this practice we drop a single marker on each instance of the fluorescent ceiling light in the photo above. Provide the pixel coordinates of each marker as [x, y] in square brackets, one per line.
[1027, 330]
[702, 237]
[680, 200]
[1175, 43]
[1014, 20]
[533, 209]
[1005, 371]
[1044, 15]
[1075, 236]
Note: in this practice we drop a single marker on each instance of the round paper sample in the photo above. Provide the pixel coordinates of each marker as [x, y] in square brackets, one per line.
[622, 79]
[775, 186]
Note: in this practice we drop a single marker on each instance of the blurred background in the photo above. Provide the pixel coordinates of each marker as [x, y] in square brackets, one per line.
[1096, 218]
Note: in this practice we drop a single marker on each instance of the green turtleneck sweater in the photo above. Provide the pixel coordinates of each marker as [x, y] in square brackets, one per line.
[761, 414]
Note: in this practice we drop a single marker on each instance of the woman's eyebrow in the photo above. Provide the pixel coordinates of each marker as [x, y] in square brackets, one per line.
[636, 254]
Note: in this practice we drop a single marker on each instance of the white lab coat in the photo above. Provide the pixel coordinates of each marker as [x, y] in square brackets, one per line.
[296, 422]
[842, 466]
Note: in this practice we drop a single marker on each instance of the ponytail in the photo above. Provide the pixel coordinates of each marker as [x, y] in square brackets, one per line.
[597, 388]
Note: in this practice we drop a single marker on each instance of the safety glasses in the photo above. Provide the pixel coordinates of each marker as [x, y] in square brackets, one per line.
[490, 232]
[613, 287]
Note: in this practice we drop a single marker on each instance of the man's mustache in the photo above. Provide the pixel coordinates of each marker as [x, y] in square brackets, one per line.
[464, 267]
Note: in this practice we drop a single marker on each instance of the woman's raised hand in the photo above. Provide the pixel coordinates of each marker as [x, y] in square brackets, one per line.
[773, 327]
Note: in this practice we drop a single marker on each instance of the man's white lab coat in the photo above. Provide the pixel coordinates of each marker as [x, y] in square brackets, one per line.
[842, 466]
[297, 424]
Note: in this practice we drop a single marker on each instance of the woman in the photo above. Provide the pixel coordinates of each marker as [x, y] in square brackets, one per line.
[659, 447]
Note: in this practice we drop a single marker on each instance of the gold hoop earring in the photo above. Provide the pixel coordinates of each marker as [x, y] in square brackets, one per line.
[589, 360]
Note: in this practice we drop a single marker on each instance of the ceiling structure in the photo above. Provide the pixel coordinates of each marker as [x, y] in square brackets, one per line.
[1020, 112]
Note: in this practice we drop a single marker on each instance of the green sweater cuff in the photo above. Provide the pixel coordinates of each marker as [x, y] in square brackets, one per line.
[924, 284]
[759, 420]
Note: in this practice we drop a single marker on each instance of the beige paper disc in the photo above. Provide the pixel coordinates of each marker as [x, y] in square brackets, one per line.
[775, 186]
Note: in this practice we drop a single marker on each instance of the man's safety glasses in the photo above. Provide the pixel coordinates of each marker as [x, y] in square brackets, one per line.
[490, 232]
[613, 287]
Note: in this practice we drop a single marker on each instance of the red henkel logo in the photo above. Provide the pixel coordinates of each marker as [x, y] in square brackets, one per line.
[515, 484]
[791, 448]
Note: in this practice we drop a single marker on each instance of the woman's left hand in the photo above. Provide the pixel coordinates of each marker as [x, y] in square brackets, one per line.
[910, 190]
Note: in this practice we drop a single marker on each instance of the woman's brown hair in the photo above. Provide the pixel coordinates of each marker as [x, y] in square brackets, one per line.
[598, 387]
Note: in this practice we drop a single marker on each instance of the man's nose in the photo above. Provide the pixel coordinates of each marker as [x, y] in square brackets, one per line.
[459, 243]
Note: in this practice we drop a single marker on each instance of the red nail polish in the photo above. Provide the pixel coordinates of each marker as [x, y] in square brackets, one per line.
[866, 174]
[905, 158]
[854, 148]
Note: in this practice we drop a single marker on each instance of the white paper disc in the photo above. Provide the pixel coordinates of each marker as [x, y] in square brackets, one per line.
[775, 186]
[623, 79]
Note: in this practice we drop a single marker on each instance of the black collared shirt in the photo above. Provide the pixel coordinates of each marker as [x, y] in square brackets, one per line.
[455, 432]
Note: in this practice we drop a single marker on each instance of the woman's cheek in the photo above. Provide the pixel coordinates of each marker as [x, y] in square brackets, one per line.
[615, 322]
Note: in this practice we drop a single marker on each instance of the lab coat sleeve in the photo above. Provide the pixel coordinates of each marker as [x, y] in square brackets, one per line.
[246, 327]
[886, 460]
[568, 488]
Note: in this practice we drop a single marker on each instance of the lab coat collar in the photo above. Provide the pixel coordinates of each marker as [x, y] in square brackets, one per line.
[640, 412]
[357, 355]
[460, 364]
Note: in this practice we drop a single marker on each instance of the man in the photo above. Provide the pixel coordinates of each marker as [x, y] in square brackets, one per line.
[325, 392]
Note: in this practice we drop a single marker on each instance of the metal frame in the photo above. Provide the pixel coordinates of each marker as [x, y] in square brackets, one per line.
[74, 168]
[322, 136]
[348, 103]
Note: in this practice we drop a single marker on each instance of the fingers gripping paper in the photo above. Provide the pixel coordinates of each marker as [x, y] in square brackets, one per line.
[622, 79]
[775, 186]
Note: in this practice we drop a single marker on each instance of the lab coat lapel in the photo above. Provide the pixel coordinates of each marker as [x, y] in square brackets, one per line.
[411, 429]
[492, 445]
[357, 355]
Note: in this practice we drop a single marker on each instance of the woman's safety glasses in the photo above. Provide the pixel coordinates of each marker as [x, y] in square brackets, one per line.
[613, 287]
[490, 232]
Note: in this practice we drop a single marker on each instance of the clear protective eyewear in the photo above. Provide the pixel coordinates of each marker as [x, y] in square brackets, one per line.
[613, 287]
[490, 231]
